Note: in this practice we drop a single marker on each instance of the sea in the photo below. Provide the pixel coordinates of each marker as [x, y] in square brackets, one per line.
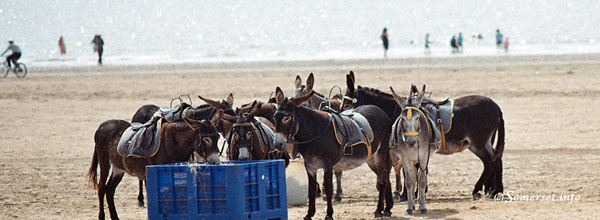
[138, 32]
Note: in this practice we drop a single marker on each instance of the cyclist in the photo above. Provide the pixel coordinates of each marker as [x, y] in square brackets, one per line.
[16, 53]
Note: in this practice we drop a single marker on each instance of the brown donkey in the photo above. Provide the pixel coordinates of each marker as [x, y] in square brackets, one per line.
[178, 140]
[318, 142]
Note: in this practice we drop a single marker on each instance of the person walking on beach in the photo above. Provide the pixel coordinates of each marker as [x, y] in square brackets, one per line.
[499, 38]
[505, 44]
[427, 42]
[16, 53]
[98, 47]
[384, 39]
[61, 45]
[454, 44]
[460, 41]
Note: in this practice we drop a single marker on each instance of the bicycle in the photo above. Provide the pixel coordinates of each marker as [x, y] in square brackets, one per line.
[20, 70]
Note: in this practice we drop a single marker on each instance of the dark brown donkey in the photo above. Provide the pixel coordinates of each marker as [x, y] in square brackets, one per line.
[254, 138]
[475, 122]
[315, 134]
[178, 140]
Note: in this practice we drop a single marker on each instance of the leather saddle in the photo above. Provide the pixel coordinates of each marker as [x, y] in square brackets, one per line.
[351, 129]
[441, 115]
[142, 140]
[273, 141]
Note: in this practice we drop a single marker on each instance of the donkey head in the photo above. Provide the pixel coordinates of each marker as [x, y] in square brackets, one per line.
[207, 137]
[223, 109]
[243, 134]
[302, 90]
[409, 120]
[284, 117]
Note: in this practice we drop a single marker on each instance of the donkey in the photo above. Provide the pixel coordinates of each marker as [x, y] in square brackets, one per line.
[254, 138]
[145, 113]
[315, 134]
[476, 119]
[411, 140]
[178, 140]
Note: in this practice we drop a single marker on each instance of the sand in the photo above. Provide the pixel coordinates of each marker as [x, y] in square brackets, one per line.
[550, 105]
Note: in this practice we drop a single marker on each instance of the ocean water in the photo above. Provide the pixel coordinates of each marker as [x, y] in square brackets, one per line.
[191, 31]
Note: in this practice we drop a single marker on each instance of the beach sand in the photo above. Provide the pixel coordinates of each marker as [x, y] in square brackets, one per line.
[550, 106]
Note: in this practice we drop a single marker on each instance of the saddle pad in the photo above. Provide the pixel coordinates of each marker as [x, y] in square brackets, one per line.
[274, 141]
[352, 128]
[444, 112]
[137, 143]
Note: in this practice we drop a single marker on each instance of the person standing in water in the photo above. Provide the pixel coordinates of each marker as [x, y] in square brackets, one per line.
[460, 41]
[98, 47]
[499, 38]
[384, 39]
[61, 45]
[427, 42]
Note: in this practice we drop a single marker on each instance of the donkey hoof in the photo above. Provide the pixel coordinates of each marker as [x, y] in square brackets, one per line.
[409, 211]
[328, 218]
[378, 214]
[324, 198]
[141, 204]
[423, 211]
[476, 196]
[337, 198]
[396, 195]
[307, 218]
[387, 213]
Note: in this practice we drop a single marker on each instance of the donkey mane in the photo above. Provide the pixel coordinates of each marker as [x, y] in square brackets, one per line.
[376, 91]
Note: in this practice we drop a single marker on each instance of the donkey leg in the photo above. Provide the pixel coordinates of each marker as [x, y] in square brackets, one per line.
[398, 186]
[487, 169]
[104, 171]
[328, 186]
[338, 180]
[312, 192]
[389, 199]
[409, 181]
[422, 181]
[499, 184]
[111, 186]
[141, 195]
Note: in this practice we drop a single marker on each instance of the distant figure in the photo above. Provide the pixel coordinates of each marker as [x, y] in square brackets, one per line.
[460, 41]
[16, 53]
[480, 37]
[454, 44]
[505, 44]
[499, 38]
[427, 42]
[98, 47]
[61, 45]
[384, 39]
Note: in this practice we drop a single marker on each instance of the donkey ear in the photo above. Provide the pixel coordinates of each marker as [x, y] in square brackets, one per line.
[420, 96]
[297, 101]
[399, 99]
[310, 82]
[254, 109]
[350, 84]
[217, 116]
[352, 76]
[230, 99]
[279, 96]
[298, 82]
[212, 103]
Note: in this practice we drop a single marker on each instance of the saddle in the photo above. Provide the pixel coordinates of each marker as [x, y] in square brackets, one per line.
[273, 141]
[351, 129]
[442, 115]
[143, 140]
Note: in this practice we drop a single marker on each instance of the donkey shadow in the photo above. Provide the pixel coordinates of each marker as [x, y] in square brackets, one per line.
[431, 214]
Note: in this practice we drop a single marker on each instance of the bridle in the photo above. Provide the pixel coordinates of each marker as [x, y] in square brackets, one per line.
[291, 134]
[201, 134]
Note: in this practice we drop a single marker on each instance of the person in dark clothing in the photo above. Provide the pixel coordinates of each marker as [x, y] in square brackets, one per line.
[16, 53]
[384, 39]
[454, 44]
[98, 47]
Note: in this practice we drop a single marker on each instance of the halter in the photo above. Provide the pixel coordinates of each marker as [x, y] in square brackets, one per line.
[202, 135]
[409, 115]
[292, 134]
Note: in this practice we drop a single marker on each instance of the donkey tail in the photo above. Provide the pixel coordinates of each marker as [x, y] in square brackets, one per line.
[92, 172]
[500, 143]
